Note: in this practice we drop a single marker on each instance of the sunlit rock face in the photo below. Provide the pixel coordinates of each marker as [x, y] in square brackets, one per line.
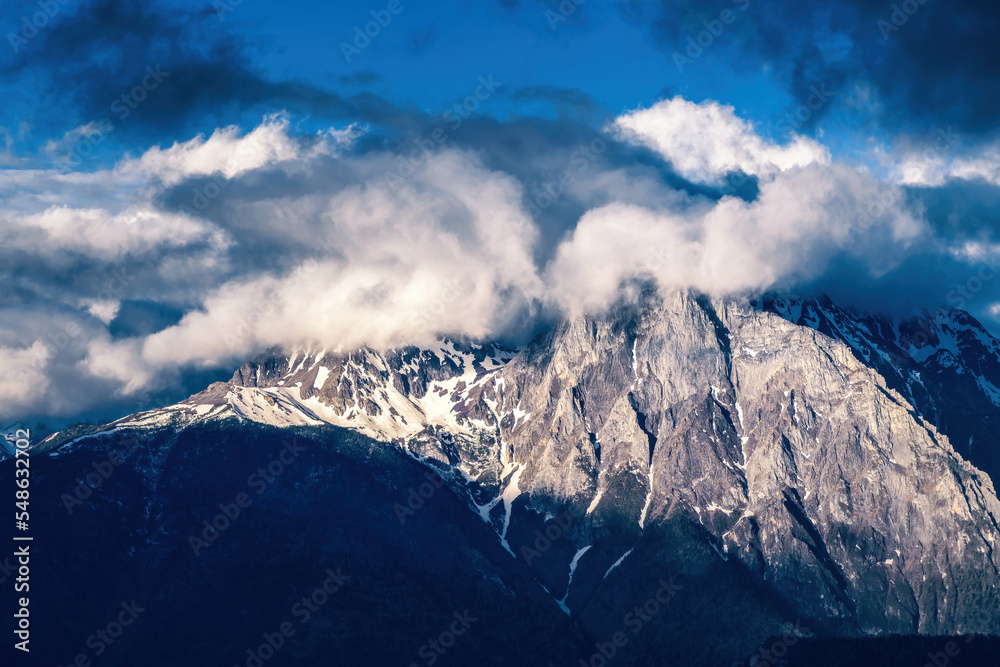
[790, 457]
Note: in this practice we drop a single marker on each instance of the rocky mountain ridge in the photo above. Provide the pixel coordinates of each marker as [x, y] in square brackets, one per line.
[798, 440]
[944, 362]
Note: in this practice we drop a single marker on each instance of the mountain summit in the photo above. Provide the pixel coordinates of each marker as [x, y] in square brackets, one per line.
[793, 460]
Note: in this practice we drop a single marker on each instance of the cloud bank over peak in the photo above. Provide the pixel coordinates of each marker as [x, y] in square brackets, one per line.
[800, 221]
[317, 240]
[449, 252]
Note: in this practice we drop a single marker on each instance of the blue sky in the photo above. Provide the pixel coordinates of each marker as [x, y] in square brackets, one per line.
[168, 167]
[590, 61]
[428, 57]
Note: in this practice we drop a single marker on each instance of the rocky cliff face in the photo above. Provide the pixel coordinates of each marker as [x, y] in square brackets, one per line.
[797, 458]
[799, 444]
[943, 362]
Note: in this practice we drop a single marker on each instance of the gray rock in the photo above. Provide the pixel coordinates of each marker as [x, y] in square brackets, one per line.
[802, 457]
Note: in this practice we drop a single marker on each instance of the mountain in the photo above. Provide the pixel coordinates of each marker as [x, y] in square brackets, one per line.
[679, 480]
[944, 362]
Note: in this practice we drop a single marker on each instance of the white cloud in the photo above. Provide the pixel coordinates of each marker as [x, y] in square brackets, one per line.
[229, 153]
[345, 258]
[800, 220]
[449, 251]
[23, 378]
[976, 252]
[706, 141]
[105, 235]
[60, 148]
[119, 361]
[104, 310]
[937, 165]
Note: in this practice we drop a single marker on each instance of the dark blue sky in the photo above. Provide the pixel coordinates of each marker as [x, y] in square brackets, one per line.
[233, 62]
[230, 63]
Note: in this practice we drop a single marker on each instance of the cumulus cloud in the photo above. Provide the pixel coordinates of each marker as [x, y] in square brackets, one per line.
[312, 243]
[63, 146]
[103, 310]
[121, 362]
[942, 161]
[705, 142]
[23, 376]
[447, 252]
[106, 235]
[800, 220]
[229, 153]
